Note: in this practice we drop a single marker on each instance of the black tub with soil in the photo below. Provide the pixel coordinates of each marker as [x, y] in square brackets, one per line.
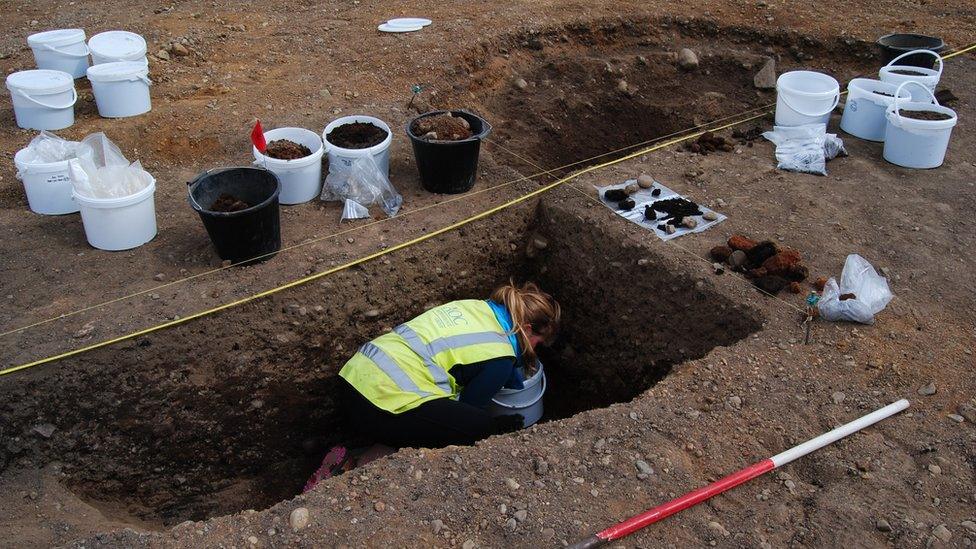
[356, 135]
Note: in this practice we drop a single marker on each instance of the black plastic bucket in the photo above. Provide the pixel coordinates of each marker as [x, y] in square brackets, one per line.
[893, 45]
[449, 167]
[246, 236]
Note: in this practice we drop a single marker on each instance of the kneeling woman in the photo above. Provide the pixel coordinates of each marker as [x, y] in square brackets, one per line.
[429, 381]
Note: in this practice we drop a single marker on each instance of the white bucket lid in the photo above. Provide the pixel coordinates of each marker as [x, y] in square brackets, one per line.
[118, 45]
[117, 71]
[41, 81]
[59, 37]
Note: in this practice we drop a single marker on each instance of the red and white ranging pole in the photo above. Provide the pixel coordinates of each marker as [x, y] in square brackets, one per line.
[693, 498]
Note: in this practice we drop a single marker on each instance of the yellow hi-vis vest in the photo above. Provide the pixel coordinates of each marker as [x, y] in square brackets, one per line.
[401, 370]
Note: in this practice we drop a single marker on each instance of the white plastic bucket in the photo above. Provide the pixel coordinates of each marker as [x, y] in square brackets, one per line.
[864, 112]
[301, 178]
[913, 143]
[345, 157]
[114, 46]
[526, 401]
[47, 185]
[60, 50]
[121, 88]
[928, 77]
[43, 99]
[119, 223]
[805, 97]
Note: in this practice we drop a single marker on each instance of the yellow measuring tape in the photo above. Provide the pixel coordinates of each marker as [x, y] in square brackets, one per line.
[397, 247]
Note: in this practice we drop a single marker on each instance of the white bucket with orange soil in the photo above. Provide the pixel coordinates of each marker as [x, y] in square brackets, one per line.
[60, 50]
[805, 97]
[301, 178]
[899, 74]
[912, 142]
[867, 102]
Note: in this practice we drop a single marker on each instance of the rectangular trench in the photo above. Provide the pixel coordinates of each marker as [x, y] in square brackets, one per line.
[233, 411]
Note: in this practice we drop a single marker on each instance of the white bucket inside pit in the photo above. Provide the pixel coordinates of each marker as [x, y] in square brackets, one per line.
[121, 89]
[119, 223]
[805, 97]
[526, 401]
[345, 157]
[46, 184]
[114, 46]
[301, 178]
[43, 99]
[60, 50]
[913, 143]
[929, 78]
[864, 112]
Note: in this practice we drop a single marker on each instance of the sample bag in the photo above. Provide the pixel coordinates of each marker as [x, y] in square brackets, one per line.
[805, 148]
[102, 171]
[359, 186]
[865, 293]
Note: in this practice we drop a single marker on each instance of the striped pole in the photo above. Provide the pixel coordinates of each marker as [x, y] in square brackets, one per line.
[691, 499]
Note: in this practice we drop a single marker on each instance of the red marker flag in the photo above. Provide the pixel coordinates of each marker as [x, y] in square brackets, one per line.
[257, 137]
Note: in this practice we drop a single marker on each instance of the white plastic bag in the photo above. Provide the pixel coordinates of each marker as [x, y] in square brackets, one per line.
[871, 293]
[47, 147]
[102, 171]
[805, 148]
[362, 185]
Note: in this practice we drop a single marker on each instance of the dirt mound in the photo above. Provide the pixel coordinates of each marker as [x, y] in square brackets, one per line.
[356, 135]
[284, 149]
[442, 127]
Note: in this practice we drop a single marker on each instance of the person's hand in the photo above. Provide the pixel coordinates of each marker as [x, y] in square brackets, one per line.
[507, 423]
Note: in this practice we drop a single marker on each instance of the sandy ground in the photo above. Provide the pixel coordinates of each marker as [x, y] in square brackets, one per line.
[908, 482]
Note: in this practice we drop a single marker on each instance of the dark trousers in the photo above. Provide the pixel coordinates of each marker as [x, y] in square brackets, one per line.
[440, 422]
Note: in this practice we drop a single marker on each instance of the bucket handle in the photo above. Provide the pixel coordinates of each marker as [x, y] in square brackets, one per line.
[897, 108]
[49, 47]
[913, 52]
[541, 394]
[812, 115]
[74, 99]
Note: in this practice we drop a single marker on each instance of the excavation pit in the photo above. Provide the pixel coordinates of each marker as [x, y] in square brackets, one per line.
[233, 412]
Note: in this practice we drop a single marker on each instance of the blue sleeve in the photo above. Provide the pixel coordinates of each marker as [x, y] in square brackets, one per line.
[481, 380]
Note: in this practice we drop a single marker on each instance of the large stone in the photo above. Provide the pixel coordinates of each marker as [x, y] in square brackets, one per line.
[765, 79]
[298, 519]
[687, 59]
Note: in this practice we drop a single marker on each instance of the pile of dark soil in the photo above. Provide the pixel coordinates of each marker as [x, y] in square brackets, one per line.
[925, 115]
[709, 142]
[674, 210]
[284, 149]
[746, 137]
[771, 267]
[356, 135]
[228, 203]
[908, 72]
[442, 127]
[886, 94]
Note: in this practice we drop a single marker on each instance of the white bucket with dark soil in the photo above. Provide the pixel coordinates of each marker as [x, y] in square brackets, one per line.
[119, 223]
[346, 156]
[43, 99]
[301, 178]
[893, 73]
[46, 184]
[917, 134]
[526, 401]
[121, 88]
[115, 46]
[805, 97]
[867, 102]
[60, 50]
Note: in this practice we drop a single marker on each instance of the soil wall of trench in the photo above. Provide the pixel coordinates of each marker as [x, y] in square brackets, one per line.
[233, 411]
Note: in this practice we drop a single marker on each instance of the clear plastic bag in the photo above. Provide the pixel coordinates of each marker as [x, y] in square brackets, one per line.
[102, 171]
[47, 148]
[805, 148]
[866, 293]
[362, 184]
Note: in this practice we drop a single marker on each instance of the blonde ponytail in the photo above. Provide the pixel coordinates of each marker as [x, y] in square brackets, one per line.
[527, 304]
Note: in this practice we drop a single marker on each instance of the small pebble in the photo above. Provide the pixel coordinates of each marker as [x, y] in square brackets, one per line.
[687, 59]
[838, 397]
[689, 222]
[669, 228]
[632, 188]
[437, 525]
[645, 181]
[298, 519]
[927, 390]
[709, 216]
[379, 506]
[521, 515]
[883, 525]
[942, 533]
[643, 467]
[935, 469]
[520, 83]
[511, 484]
